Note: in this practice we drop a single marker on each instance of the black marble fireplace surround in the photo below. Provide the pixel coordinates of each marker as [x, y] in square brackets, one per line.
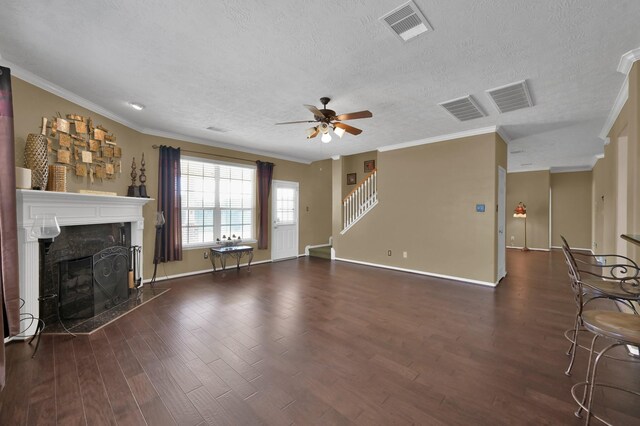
[87, 267]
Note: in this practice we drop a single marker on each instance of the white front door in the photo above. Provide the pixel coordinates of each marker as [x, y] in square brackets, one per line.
[502, 181]
[284, 214]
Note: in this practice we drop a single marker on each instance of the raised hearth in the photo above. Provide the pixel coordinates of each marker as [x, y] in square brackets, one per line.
[71, 209]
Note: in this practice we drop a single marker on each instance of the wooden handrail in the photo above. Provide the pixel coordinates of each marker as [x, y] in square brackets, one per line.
[359, 184]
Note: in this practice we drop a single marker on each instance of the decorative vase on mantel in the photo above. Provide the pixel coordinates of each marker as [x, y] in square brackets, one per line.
[36, 157]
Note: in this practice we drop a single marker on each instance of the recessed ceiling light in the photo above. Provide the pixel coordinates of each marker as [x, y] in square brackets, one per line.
[136, 106]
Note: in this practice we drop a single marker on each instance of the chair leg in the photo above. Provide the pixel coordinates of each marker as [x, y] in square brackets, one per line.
[586, 386]
[591, 384]
[575, 326]
[574, 344]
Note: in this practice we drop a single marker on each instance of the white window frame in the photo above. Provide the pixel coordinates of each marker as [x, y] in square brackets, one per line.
[217, 209]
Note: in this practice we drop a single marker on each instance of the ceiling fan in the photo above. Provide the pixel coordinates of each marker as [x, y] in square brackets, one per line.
[328, 120]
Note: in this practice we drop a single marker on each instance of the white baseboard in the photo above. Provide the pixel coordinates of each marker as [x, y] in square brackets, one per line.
[414, 271]
[574, 248]
[530, 248]
[203, 271]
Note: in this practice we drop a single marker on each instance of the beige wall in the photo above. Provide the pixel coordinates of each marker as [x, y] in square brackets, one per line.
[597, 205]
[608, 196]
[571, 209]
[355, 164]
[427, 197]
[532, 188]
[31, 103]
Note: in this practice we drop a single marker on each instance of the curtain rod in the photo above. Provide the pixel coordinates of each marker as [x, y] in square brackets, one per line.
[208, 153]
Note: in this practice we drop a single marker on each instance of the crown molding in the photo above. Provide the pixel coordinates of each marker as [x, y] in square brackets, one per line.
[63, 93]
[335, 157]
[622, 97]
[627, 60]
[599, 157]
[503, 134]
[207, 142]
[568, 169]
[441, 138]
[529, 170]
[50, 87]
[624, 66]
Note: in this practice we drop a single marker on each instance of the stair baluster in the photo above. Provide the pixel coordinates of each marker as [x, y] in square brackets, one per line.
[359, 201]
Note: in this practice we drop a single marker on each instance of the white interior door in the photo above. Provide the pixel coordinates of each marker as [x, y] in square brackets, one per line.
[502, 183]
[284, 214]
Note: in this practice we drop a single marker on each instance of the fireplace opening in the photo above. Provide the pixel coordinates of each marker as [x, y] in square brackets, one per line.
[76, 288]
[81, 268]
[93, 284]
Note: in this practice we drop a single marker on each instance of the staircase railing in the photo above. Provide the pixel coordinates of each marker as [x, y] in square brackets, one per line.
[359, 201]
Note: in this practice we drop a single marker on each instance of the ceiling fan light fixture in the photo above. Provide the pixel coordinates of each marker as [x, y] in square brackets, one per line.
[324, 128]
[310, 131]
[338, 131]
[326, 138]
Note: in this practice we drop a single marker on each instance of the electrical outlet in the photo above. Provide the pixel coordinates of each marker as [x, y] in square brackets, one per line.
[404, 254]
[388, 252]
[512, 239]
[206, 254]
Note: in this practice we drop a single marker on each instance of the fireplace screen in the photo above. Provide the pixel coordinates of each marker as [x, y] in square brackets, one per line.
[93, 284]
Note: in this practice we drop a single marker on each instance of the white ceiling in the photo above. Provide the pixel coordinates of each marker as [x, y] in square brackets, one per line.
[245, 65]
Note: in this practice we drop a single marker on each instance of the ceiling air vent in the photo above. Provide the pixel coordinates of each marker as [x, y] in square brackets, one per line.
[217, 129]
[463, 108]
[511, 97]
[406, 21]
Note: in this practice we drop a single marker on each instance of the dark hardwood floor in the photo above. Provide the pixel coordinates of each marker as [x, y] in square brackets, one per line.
[311, 341]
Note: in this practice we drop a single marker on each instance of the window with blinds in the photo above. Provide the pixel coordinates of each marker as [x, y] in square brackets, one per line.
[218, 199]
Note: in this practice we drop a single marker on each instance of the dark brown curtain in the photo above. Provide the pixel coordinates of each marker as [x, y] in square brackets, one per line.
[10, 286]
[169, 202]
[265, 175]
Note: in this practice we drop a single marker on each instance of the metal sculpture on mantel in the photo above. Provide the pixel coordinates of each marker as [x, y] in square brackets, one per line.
[134, 190]
[143, 179]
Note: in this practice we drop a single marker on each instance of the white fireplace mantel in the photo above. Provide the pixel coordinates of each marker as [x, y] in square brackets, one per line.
[70, 209]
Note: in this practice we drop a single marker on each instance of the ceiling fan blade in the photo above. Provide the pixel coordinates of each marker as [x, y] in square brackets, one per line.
[314, 134]
[316, 112]
[354, 115]
[296, 122]
[348, 129]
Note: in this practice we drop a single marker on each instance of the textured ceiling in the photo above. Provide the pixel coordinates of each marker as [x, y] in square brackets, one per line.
[245, 65]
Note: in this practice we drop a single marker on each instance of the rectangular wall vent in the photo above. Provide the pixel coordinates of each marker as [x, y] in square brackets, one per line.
[406, 21]
[511, 97]
[463, 109]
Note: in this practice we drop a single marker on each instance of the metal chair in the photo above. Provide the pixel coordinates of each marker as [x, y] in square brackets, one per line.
[621, 329]
[590, 280]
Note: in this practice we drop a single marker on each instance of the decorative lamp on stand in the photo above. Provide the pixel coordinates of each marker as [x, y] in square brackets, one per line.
[45, 229]
[521, 211]
[156, 251]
